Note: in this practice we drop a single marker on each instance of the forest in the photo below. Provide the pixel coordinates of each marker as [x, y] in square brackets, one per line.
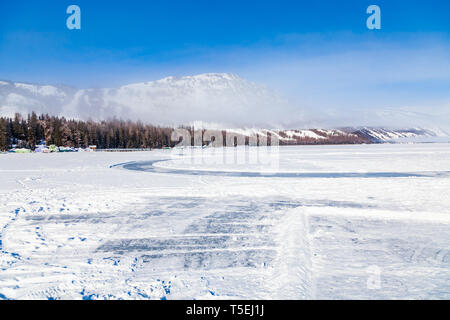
[27, 132]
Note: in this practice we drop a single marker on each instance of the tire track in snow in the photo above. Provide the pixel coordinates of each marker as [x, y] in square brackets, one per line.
[238, 240]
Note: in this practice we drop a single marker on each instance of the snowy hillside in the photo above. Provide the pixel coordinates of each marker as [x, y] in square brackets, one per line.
[402, 135]
[24, 98]
[342, 136]
[304, 136]
[212, 97]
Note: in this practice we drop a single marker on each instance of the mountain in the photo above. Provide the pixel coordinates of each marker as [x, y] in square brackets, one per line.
[213, 97]
[343, 136]
[219, 100]
[379, 135]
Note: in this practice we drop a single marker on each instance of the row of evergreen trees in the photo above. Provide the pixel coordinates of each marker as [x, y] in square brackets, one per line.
[30, 131]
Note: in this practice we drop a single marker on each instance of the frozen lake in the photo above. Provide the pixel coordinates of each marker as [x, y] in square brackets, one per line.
[306, 222]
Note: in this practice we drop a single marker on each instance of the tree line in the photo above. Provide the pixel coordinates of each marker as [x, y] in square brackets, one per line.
[27, 132]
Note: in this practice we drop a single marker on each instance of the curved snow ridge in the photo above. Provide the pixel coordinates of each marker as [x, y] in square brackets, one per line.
[149, 166]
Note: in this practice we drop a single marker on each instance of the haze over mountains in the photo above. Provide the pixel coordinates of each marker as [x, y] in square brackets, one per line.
[214, 98]
[219, 100]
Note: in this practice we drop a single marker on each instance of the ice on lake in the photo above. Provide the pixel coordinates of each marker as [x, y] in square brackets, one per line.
[306, 222]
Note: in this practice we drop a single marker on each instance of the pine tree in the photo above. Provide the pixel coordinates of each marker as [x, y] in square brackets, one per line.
[32, 130]
[4, 136]
[18, 132]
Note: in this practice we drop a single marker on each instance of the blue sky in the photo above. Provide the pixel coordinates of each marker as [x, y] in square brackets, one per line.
[301, 48]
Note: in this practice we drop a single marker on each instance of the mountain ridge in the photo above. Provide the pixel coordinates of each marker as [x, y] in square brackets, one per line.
[222, 99]
[213, 97]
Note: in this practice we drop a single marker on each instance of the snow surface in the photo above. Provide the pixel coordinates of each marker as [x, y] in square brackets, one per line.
[83, 226]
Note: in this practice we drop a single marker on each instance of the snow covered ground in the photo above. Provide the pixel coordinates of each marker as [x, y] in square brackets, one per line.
[314, 222]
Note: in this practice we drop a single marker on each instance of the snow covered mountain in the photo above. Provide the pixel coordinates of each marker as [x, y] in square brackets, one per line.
[378, 135]
[360, 135]
[219, 100]
[212, 97]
